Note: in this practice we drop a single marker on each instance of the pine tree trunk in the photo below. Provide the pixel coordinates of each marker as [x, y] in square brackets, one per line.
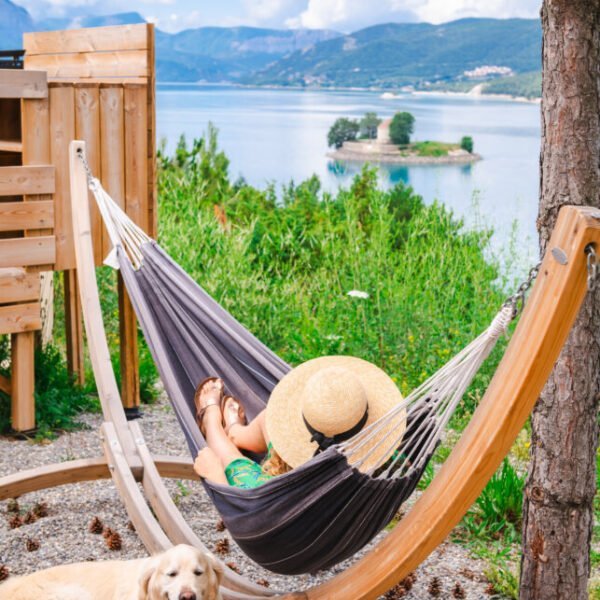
[557, 509]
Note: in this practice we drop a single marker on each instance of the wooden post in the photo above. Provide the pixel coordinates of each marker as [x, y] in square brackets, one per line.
[22, 381]
[130, 377]
[73, 326]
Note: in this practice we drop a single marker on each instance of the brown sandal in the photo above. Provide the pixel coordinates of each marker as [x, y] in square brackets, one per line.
[233, 413]
[202, 406]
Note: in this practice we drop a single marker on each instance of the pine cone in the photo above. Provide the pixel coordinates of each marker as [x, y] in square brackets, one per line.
[220, 526]
[130, 526]
[114, 541]
[107, 532]
[40, 510]
[15, 522]
[96, 526]
[490, 590]
[435, 588]
[458, 591]
[4, 572]
[264, 582]
[29, 518]
[222, 547]
[32, 545]
[233, 567]
[395, 593]
[12, 506]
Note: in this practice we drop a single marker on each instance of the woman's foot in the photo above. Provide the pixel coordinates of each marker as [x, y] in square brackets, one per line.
[208, 466]
[209, 393]
[233, 413]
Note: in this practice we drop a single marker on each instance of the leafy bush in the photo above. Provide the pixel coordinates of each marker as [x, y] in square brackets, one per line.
[58, 399]
[497, 511]
[368, 125]
[343, 130]
[466, 143]
[432, 148]
[401, 128]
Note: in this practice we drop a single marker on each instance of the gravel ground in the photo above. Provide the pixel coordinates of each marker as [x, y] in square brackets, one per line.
[63, 534]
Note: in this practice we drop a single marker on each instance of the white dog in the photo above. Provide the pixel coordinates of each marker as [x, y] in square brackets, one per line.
[180, 573]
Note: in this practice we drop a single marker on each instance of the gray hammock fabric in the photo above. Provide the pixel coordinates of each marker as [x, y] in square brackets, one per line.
[324, 511]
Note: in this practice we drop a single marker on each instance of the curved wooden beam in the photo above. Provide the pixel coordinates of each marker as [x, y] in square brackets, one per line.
[120, 445]
[551, 310]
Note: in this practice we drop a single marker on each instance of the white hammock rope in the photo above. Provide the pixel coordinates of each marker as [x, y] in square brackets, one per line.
[434, 401]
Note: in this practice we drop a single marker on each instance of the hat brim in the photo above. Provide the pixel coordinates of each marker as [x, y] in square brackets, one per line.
[285, 424]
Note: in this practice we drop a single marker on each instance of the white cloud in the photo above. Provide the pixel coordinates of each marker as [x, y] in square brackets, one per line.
[440, 11]
[349, 15]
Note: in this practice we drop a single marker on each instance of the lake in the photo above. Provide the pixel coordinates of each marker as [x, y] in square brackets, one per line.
[274, 136]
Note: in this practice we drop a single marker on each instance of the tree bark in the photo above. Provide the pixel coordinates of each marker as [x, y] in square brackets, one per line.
[558, 503]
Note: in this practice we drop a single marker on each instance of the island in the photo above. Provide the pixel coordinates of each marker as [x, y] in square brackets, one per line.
[388, 141]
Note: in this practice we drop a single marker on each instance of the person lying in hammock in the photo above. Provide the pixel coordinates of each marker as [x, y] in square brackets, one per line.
[320, 403]
[223, 424]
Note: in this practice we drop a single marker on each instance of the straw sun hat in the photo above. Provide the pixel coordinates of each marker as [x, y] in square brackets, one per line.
[331, 396]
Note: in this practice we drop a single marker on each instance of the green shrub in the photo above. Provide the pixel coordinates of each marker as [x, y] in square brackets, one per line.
[343, 130]
[466, 143]
[58, 399]
[497, 512]
[401, 128]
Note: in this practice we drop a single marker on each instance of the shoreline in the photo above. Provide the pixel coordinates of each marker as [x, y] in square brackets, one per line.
[342, 155]
[395, 95]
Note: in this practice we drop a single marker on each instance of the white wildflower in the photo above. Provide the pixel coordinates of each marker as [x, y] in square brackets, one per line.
[358, 294]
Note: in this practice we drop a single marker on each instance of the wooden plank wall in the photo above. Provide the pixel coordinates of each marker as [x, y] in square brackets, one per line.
[101, 90]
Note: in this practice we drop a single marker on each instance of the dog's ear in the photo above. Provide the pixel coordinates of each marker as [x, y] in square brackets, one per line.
[216, 577]
[144, 580]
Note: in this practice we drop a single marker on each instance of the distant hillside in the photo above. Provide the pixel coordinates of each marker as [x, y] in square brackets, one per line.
[503, 54]
[399, 54]
[228, 53]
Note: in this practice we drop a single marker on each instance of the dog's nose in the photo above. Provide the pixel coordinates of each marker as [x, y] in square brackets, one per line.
[187, 596]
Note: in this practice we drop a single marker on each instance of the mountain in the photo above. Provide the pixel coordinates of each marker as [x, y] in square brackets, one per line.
[13, 21]
[229, 53]
[505, 54]
[397, 54]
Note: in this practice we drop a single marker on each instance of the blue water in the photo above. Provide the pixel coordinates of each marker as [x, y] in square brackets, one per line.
[274, 136]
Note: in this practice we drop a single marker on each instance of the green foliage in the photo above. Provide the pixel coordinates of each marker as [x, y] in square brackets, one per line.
[526, 85]
[503, 580]
[431, 148]
[497, 512]
[466, 143]
[58, 399]
[343, 130]
[401, 128]
[284, 267]
[368, 126]
[396, 54]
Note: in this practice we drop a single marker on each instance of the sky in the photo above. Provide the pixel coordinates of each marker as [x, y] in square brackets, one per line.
[340, 15]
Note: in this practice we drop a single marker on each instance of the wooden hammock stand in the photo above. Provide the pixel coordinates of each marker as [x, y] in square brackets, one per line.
[551, 310]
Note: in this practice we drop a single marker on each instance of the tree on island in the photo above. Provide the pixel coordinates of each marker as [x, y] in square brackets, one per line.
[368, 126]
[466, 143]
[343, 130]
[401, 127]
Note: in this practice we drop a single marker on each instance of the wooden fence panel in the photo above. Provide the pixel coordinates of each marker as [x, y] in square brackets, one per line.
[25, 252]
[87, 128]
[62, 131]
[16, 285]
[15, 83]
[15, 216]
[16, 318]
[112, 153]
[97, 39]
[16, 181]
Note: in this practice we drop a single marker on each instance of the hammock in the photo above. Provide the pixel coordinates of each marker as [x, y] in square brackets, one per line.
[327, 509]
